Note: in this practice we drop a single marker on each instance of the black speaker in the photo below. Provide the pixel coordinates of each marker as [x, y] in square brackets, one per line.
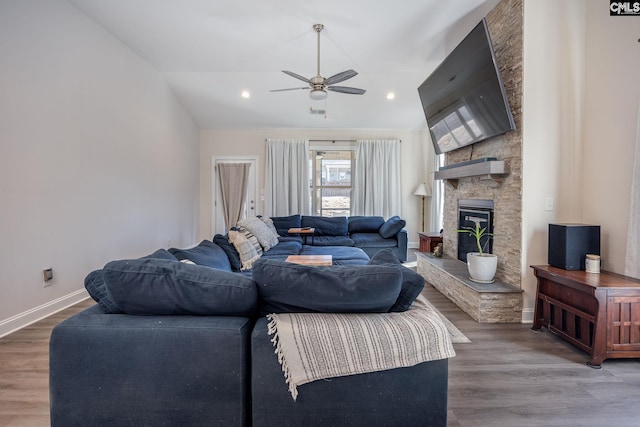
[569, 243]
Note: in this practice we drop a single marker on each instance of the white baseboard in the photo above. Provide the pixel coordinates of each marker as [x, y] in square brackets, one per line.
[527, 315]
[28, 317]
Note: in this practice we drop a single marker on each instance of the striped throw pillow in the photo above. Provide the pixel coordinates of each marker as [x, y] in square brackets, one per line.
[247, 246]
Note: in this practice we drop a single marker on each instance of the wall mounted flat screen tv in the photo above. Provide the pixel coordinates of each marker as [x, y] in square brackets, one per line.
[464, 100]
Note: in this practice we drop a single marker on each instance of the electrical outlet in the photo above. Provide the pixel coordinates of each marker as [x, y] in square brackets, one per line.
[47, 277]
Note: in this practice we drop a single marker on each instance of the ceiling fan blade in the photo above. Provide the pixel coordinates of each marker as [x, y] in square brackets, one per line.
[297, 76]
[345, 89]
[340, 77]
[291, 88]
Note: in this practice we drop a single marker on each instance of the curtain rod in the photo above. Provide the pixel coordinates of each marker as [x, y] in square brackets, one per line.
[334, 140]
[329, 140]
[338, 140]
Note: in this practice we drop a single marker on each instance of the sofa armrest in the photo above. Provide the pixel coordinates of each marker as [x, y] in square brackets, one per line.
[402, 244]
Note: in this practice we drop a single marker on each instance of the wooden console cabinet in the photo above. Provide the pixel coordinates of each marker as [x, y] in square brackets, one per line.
[429, 241]
[598, 313]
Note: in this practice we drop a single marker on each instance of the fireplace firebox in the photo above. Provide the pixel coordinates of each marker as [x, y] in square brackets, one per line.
[471, 212]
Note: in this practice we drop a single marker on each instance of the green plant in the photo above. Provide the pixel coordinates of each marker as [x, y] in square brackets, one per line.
[478, 233]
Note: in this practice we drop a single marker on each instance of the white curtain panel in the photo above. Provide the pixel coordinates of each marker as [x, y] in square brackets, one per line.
[287, 178]
[376, 187]
[632, 259]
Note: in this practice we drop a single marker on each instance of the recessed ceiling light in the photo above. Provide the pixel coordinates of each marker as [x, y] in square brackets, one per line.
[245, 94]
[391, 95]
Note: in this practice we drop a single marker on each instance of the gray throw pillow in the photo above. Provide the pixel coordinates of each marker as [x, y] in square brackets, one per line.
[258, 228]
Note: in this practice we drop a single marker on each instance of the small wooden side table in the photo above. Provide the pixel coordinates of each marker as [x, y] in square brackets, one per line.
[304, 232]
[429, 241]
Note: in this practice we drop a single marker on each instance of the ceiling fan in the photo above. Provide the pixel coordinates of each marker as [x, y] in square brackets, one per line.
[320, 85]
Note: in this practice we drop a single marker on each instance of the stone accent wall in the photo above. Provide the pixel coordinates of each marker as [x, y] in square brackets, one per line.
[505, 24]
[486, 303]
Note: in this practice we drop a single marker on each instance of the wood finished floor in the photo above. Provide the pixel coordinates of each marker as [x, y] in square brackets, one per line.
[24, 372]
[508, 376]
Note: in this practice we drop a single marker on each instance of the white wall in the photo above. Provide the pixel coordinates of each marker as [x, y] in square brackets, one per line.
[97, 158]
[581, 95]
[215, 143]
[554, 52]
[611, 111]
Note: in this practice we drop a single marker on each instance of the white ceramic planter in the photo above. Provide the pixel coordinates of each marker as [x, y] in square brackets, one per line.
[482, 268]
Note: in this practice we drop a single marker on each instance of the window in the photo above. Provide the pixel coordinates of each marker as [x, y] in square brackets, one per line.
[330, 181]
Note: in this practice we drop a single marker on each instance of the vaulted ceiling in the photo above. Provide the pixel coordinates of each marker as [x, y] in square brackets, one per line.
[210, 51]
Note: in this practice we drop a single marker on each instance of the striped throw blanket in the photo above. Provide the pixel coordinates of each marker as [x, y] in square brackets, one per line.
[313, 346]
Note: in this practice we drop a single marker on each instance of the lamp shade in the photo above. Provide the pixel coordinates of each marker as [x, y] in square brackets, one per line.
[422, 190]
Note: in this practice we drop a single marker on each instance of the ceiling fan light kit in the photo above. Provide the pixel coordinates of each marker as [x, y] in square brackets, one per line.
[320, 85]
[318, 94]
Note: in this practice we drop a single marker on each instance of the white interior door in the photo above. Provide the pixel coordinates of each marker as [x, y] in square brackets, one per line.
[251, 202]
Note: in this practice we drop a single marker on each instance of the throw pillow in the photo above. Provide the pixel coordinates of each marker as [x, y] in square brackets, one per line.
[392, 226]
[206, 253]
[260, 230]
[284, 223]
[161, 254]
[412, 282]
[327, 226]
[247, 245]
[293, 288]
[269, 223]
[230, 250]
[155, 286]
[365, 224]
[95, 286]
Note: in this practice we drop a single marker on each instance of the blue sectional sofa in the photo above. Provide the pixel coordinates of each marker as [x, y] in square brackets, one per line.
[179, 370]
[175, 344]
[368, 233]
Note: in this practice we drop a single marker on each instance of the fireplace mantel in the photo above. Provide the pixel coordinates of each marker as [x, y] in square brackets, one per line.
[494, 170]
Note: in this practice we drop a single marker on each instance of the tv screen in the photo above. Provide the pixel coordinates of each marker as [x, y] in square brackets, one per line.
[464, 100]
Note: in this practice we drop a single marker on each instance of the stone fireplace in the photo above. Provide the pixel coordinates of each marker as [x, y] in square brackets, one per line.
[470, 213]
[502, 300]
[505, 24]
